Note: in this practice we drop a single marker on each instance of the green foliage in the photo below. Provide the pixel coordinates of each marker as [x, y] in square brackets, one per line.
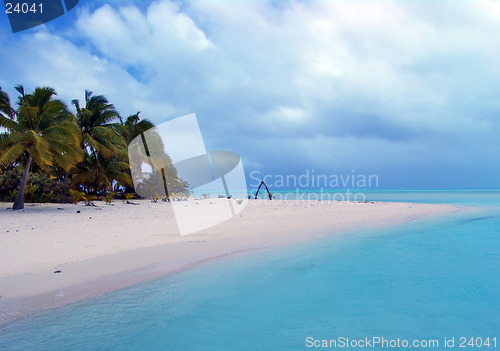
[13, 194]
[41, 126]
[88, 200]
[109, 197]
[105, 166]
[98, 175]
[86, 152]
[77, 196]
[97, 121]
[49, 195]
[81, 196]
[30, 191]
[40, 131]
[153, 184]
[39, 188]
[135, 127]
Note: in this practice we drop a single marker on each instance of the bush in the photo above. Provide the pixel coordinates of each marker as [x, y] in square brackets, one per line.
[153, 185]
[39, 188]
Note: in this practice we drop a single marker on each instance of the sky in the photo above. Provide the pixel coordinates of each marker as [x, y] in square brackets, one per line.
[407, 91]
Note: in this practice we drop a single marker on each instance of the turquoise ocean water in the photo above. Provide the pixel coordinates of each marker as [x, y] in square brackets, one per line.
[424, 281]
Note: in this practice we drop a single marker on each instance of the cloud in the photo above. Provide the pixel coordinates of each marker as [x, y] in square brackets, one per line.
[50, 60]
[131, 37]
[355, 83]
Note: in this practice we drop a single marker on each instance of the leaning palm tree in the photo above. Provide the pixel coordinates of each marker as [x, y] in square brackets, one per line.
[40, 130]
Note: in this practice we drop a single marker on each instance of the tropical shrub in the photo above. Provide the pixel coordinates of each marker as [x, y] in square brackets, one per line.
[39, 187]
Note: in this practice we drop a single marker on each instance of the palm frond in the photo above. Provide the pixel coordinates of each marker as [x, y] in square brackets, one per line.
[40, 150]
[10, 124]
[101, 149]
[12, 153]
[5, 107]
[7, 139]
[67, 131]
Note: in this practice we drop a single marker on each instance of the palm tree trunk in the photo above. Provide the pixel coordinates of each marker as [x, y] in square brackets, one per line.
[19, 203]
[66, 176]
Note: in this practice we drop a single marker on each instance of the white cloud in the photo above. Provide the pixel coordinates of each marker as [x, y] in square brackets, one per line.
[131, 37]
[50, 60]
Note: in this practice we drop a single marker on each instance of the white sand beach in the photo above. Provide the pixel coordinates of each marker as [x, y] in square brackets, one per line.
[50, 255]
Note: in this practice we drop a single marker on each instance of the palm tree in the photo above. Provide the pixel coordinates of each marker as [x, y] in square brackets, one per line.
[40, 130]
[103, 144]
[162, 170]
[135, 127]
[99, 127]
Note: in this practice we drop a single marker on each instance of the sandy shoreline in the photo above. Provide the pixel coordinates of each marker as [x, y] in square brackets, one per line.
[104, 248]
